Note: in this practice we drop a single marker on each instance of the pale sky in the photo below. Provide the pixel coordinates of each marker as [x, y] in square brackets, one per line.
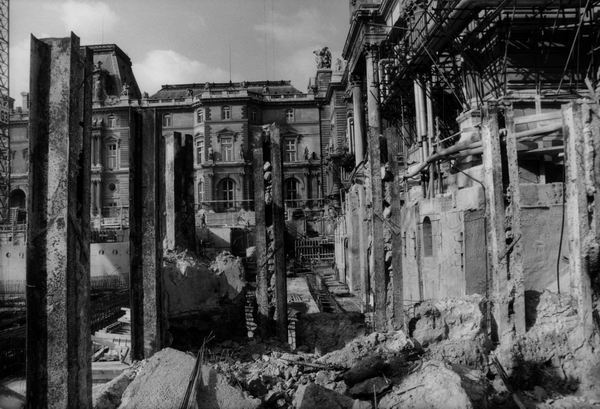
[186, 41]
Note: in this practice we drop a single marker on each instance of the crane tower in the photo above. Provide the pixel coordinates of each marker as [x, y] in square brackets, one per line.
[4, 115]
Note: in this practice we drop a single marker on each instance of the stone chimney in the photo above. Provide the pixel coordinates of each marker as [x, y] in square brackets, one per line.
[25, 96]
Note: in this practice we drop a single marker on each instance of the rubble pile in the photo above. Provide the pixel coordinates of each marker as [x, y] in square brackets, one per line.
[203, 297]
[453, 330]
[554, 352]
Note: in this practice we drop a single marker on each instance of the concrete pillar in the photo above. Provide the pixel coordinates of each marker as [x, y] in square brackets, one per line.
[146, 183]
[278, 234]
[581, 133]
[260, 234]
[358, 107]
[492, 166]
[513, 249]
[58, 260]
[376, 224]
[393, 143]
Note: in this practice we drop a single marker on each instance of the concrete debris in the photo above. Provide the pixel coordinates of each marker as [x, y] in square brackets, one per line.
[453, 330]
[202, 298]
[370, 387]
[108, 395]
[313, 396]
[433, 386]
[326, 332]
[367, 368]
[554, 352]
[163, 380]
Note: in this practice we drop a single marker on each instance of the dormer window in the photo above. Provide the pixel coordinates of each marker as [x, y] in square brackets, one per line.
[167, 120]
[225, 113]
[289, 116]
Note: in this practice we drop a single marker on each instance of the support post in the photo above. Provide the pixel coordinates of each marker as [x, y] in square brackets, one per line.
[146, 241]
[377, 250]
[278, 235]
[579, 132]
[492, 166]
[58, 260]
[358, 108]
[179, 192]
[393, 142]
[260, 235]
[515, 256]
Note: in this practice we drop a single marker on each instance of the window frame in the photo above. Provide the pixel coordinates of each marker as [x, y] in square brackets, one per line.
[112, 155]
[226, 113]
[167, 120]
[112, 121]
[289, 154]
[227, 193]
[200, 116]
[199, 150]
[289, 116]
[227, 149]
[292, 197]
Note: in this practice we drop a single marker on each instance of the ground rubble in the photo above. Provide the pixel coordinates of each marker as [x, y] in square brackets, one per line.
[444, 361]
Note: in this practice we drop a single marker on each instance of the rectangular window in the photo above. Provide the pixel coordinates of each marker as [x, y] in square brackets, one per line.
[289, 116]
[200, 116]
[112, 122]
[253, 115]
[290, 150]
[226, 149]
[226, 113]
[111, 156]
[199, 151]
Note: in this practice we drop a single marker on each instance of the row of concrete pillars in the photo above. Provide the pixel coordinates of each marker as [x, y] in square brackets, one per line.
[58, 259]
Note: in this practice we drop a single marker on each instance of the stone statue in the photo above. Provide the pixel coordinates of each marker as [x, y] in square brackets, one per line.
[323, 58]
[242, 155]
[339, 64]
[190, 92]
[146, 96]
[125, 91]
[265, 89]
[306, 153]
[210, 154]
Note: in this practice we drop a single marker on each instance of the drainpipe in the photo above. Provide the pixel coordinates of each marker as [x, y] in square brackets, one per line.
[430, 135]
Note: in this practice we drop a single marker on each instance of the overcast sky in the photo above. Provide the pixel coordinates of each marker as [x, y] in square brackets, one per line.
[185, 41]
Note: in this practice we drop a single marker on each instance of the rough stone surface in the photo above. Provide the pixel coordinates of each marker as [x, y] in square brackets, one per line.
[312, 396]
[108, 395]
[434, 386]
[375, 343]
[325, 332]
[554, 352]
[201, 299]
[370, 387]
[453, 330]
[163, 381]
[368, 367]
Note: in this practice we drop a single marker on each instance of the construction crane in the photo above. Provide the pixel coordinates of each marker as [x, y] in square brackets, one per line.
[4, 115]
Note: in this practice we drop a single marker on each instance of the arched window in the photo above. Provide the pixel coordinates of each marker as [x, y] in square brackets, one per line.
[427, 238]
[291, 193]
[289, 115]
[112, 155]
[226, 112]
[227, 194]
[167, 120]
[200, 116]
[17, 199]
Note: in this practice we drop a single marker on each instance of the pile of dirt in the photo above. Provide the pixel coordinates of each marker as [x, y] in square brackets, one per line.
[325, 332]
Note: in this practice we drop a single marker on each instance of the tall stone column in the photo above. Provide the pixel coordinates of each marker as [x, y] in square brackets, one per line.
[358, 108]
[59, 372]
[377, 255]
